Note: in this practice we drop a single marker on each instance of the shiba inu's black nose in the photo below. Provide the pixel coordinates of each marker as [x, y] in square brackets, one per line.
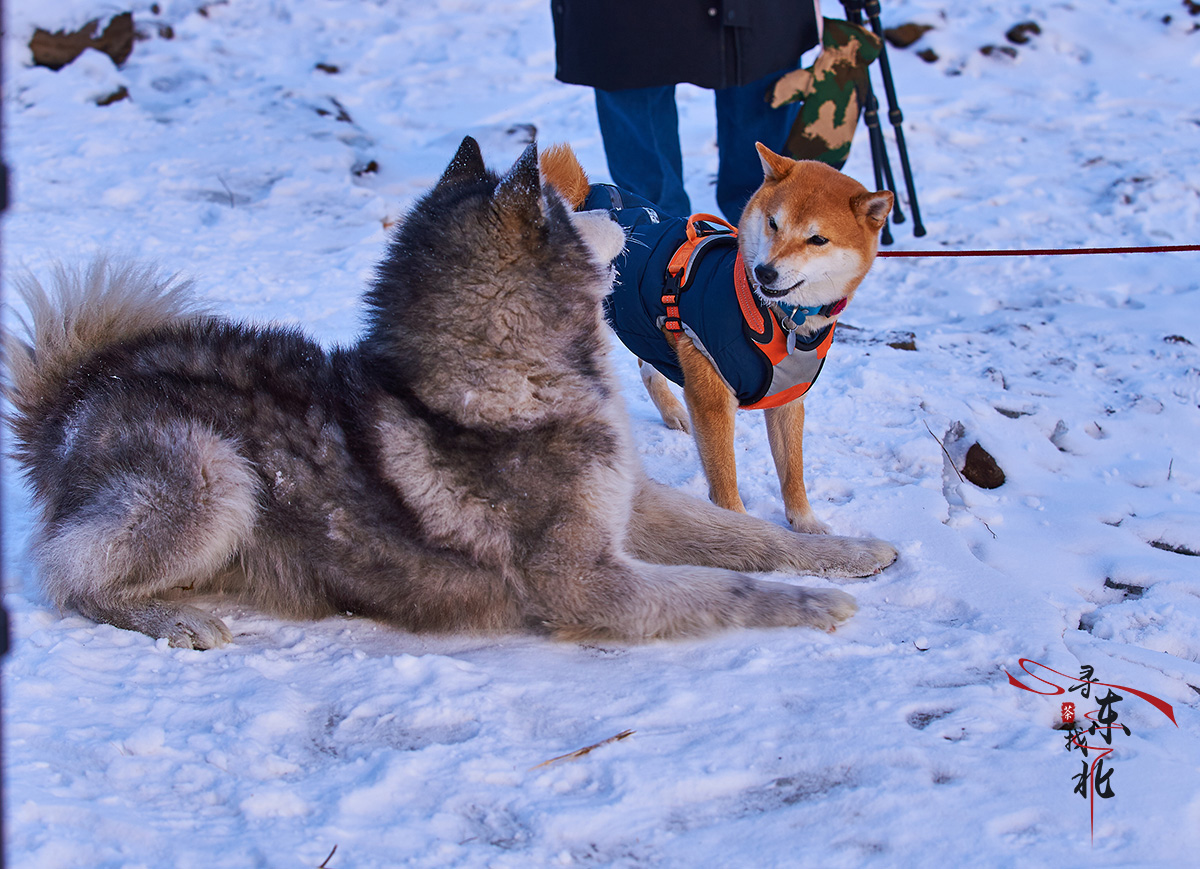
[766, 275]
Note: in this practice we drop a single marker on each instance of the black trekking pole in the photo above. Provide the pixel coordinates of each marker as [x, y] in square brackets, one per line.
[4, 636]
[879, 157]
[894, 114]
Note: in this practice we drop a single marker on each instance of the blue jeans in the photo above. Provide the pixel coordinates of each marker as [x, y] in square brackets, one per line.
[640, 128]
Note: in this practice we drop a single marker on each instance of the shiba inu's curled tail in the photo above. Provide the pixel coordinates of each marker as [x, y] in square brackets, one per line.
[562, 170]
[82, 311]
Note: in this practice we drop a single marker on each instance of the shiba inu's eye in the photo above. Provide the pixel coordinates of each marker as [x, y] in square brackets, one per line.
[772, 224]
[818, 240]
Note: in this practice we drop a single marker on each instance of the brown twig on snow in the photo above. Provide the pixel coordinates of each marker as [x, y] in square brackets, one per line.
[960, 476]
[944, 450]
[232, 204]
[581, 752]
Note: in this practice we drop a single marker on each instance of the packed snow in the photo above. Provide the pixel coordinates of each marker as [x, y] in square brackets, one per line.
[265, 147]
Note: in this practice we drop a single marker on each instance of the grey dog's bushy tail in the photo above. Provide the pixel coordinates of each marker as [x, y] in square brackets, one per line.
[82, 311]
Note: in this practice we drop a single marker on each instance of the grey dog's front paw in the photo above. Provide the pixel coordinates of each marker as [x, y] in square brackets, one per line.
[780, 605]
[829, 607]
[862, 557]
[845, 557]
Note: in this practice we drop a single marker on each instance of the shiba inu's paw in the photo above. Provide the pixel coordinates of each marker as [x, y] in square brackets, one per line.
[195, 629]
[673, 414]
[677, 421]
[807, 523]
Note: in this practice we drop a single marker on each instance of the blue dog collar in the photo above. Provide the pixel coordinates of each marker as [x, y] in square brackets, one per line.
[793, 316]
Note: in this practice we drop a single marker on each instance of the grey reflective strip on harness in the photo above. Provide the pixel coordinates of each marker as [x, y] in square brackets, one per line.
[799, 366]
[802, 365]
[716, 239]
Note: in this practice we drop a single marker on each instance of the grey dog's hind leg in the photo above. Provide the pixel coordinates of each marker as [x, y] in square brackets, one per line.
[168, 511]
[671, 527]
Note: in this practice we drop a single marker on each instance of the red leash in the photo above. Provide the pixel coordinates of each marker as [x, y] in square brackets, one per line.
[1174, 248]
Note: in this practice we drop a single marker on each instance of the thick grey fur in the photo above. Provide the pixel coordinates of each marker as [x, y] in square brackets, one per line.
[467, 466]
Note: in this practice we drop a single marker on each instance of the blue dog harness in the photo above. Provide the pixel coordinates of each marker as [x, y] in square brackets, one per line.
[686, 276]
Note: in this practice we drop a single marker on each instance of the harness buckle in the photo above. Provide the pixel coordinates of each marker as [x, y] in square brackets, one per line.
[703, 230]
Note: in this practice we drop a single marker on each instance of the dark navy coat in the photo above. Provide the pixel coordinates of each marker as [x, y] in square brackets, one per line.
[709, 307]
[620, 44]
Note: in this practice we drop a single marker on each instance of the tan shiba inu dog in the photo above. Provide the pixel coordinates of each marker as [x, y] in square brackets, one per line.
[745, 324]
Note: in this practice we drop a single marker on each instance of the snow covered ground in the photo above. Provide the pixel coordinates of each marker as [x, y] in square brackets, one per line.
[897, 741]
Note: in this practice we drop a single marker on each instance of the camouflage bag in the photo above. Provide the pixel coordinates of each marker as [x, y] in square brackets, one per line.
[831, 92]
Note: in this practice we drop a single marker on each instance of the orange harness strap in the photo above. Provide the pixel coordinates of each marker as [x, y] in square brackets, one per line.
[765, 328]
[702, 231]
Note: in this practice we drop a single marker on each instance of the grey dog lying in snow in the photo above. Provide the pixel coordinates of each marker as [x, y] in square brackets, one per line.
[467, 466]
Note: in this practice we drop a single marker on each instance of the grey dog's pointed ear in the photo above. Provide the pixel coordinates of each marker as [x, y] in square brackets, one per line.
[520, 191]
[466, 165]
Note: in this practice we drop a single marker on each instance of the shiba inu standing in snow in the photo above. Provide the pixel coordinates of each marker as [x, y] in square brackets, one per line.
[738, 318]
[467, 465]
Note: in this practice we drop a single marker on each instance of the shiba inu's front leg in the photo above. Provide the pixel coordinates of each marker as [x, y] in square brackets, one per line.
[712, 407]
[785, 431]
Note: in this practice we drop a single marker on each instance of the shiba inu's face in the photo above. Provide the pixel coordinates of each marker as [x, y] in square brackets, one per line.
[810, 233]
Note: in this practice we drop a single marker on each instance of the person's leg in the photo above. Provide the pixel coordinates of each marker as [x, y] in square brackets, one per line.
[640, 128]
[743, 118]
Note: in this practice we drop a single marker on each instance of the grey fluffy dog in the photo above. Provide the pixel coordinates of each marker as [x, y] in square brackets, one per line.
[467, 466]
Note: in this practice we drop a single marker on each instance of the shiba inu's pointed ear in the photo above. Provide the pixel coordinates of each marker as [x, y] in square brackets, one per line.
[520, 191]
[873, 208]
[466, 165]
[775, 166]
